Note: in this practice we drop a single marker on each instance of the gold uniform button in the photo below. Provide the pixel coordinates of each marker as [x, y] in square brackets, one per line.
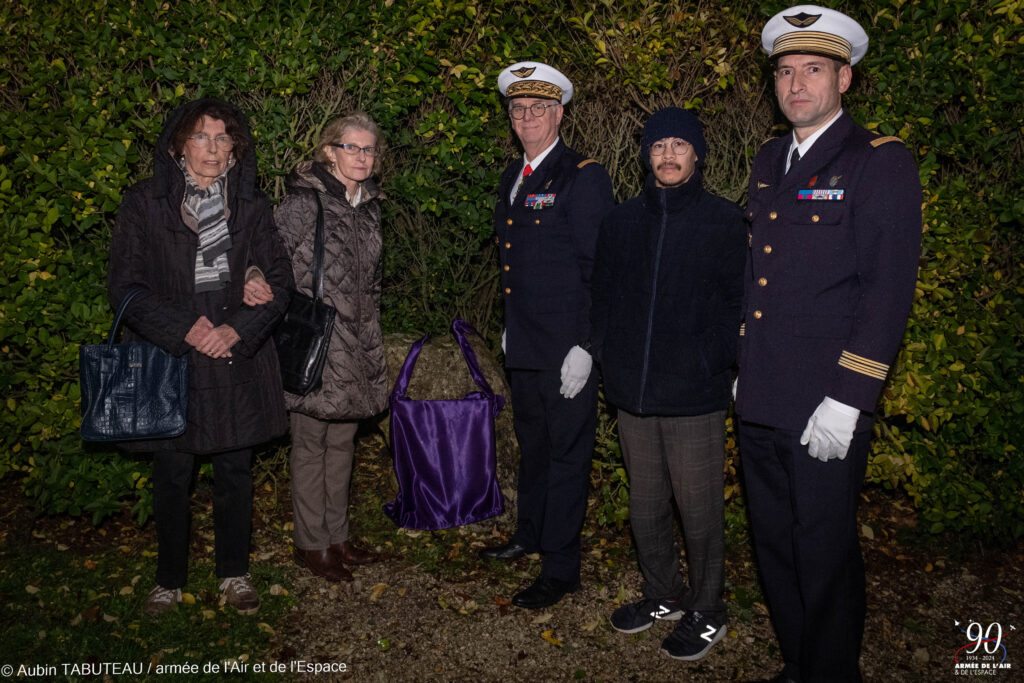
[758, 314]
[536, 221]
[762, 281]
[767, 248]
[508, 245]
[509, 221]
[773, 215]
[815, 218]
[506, 268]
[508, 290]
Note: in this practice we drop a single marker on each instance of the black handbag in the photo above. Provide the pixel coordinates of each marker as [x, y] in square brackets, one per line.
[131, 391]
[303, 335]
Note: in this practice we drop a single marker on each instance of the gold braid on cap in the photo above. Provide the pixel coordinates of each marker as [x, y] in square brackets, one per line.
[813, 42]
[534, 89]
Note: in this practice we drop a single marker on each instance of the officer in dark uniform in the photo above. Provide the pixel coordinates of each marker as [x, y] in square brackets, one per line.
[549, 210]
[835, 232]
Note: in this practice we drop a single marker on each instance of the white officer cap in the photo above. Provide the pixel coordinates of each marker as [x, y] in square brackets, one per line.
[534, 79]
[813, 30]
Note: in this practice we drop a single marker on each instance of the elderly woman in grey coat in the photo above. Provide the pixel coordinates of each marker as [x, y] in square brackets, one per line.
[324, 422]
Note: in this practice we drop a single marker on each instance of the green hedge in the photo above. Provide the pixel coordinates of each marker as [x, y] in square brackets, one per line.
[85, 87]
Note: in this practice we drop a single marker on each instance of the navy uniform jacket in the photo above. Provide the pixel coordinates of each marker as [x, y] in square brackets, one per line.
[546, 243]
[830, 279]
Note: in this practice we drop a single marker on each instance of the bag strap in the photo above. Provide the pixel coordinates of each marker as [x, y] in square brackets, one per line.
[405, 374]
[461, 329]
[318, 251]
[132, 293]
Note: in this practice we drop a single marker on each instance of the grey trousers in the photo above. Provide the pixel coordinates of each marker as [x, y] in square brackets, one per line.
[321, 471]
[681, 458]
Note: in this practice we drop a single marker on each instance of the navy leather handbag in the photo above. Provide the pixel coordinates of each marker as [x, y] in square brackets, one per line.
[131, 391]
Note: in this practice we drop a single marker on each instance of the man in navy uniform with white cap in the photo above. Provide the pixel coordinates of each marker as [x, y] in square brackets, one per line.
[835, 231]
[549, 210]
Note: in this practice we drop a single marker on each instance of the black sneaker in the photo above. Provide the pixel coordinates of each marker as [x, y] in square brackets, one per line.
[639, 616]
[692, 637]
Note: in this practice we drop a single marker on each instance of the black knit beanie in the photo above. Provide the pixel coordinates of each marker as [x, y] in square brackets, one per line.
[673, 122]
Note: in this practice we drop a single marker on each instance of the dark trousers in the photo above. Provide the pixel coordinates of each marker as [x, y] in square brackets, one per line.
[232, 513]
[556, 439]
[679, 458]
[803, 515]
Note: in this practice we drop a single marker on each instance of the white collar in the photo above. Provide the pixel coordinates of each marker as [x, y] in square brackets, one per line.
[534, 163]
[809, 141]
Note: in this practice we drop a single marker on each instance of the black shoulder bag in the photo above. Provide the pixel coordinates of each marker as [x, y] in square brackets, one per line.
[303, 335]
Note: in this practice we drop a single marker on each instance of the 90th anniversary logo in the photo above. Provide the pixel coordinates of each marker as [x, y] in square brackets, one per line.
[985, 653]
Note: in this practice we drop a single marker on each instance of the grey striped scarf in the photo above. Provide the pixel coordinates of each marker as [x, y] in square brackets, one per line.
[207, 207]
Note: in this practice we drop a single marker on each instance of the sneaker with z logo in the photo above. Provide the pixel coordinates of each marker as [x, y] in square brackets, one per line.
[639, 616]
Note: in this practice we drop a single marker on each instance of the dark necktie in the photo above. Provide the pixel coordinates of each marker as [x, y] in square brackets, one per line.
[793, 158]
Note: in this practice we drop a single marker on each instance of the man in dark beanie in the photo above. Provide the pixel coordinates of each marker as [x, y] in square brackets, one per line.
[667, 295]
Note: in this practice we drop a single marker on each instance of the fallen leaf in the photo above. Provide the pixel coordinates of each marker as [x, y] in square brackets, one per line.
[31, 590]
[377, 591]
[501, 602]
[127, 590]
[867, 532]
[265, 627]
[544, 618]
[188, 598]
[109, 619]
[546, 635]
[208, 614]
[277, 589]
[590, 626]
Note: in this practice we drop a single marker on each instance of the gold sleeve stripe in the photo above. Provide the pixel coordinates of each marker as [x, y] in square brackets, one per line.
[585, 162]
[864, 366]
[881, 141]
[743, 329]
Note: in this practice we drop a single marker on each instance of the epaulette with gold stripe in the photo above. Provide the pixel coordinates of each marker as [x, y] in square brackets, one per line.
[877, 142]
[585, 162]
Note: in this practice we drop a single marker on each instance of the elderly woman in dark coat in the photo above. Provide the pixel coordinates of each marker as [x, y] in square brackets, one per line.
[324, 422]
[191, 236]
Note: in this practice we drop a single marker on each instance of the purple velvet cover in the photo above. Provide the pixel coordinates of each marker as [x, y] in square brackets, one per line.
[444, 450]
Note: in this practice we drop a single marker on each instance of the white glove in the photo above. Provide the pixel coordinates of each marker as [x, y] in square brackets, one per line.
[503, 341]
[830, 430]
[575, 371]
[734, 383]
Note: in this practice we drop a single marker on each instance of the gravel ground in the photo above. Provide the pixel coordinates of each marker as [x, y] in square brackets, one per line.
[431, 610]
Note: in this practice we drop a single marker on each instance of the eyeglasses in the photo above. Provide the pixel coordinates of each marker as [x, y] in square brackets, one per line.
[352, 150]
[660, 148]
[220, 142]
[538, 109]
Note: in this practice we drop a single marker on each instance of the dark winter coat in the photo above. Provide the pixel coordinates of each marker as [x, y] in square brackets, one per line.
[355, 379]
[667, 297]
[234, 402]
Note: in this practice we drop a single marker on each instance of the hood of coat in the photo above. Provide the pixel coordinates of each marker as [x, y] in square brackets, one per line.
[674, 199]
[313, 175]
[167, 175]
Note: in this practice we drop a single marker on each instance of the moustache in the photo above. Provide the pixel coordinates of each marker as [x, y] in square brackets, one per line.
[669, 164]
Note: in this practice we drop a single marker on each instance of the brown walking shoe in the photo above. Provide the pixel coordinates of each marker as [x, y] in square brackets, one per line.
[322, 563]
[350, 553]
[241, 594]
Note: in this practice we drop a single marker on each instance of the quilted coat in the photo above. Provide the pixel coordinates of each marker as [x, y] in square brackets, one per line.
[355, 383]
[234, 402]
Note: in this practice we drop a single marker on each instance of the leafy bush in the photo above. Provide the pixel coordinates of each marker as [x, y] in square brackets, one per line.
[85, 87]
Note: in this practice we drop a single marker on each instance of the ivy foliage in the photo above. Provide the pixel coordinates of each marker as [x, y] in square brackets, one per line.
[85, 86]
